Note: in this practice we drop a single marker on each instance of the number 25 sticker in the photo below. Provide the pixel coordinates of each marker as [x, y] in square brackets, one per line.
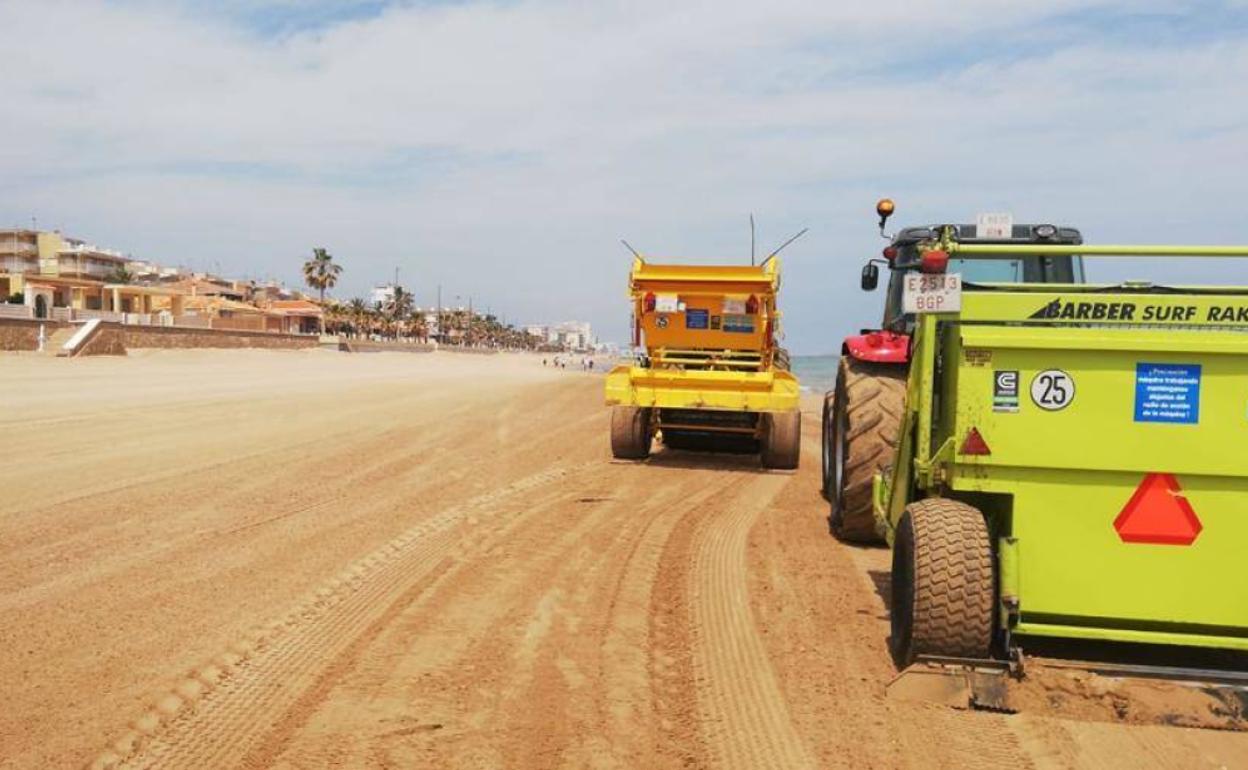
[1053, 390]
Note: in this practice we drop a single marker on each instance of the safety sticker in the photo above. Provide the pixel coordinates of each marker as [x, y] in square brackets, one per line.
[743, 324]
[661, 322]
[1167, 393]
[667, 303]
[734, 305]
[977, 357]
[1052, 390]
[1005, 390]
[696, 318]
[716, 323]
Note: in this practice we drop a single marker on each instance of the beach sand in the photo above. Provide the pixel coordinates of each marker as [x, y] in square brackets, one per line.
[312, 559]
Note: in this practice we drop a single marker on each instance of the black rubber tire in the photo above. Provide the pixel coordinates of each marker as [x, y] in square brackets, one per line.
[630, 432]
[781, 440]
[826, 447]
[782, 360]
[943, 587]
[866, 415]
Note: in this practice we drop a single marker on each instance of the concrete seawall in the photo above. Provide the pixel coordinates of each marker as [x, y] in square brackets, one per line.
[372, 346]
[22, 334]
[116, 339]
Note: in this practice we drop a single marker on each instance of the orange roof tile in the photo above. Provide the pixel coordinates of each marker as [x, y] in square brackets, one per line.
[295, 307]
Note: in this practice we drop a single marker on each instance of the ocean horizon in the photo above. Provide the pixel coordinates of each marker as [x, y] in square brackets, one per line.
[816, 374]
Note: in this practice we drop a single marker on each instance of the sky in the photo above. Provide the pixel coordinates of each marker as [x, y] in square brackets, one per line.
[501, 149]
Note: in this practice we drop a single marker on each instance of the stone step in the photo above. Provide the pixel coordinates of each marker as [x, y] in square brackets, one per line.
[57, 339]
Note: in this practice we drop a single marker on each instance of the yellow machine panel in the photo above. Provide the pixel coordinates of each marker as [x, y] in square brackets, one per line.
[711, 365]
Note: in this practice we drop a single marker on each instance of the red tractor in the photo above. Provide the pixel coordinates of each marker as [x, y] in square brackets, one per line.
[862, 416]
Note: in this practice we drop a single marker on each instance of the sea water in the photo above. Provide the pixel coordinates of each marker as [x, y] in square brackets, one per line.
[817, 374]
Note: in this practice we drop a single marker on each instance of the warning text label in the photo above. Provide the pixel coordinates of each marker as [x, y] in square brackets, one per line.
[1167, 393]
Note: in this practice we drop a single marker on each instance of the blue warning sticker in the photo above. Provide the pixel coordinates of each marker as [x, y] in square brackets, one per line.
[739, 322]
[1167, 393]
[696, 318]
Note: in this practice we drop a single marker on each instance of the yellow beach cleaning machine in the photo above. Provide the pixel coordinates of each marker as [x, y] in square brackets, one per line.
[710, 374]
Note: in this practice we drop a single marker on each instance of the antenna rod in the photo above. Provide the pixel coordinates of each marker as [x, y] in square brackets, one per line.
[786, 243]
[630, 248]
[751, 239]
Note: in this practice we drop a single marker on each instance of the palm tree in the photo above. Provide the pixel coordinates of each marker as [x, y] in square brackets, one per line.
[359, 312]
[321, 273]
[342, 316]
[400, 307]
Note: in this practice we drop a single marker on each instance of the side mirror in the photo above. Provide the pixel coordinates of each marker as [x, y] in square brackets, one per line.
[870, 277]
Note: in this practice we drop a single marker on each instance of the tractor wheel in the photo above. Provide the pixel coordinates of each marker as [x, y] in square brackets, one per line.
[782, 360]
[862, 433]
[942, 583]
[630, 432]
[828, 450]
[782, 440]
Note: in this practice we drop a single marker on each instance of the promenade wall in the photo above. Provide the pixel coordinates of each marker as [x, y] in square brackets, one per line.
[23, 334]
[116, 338]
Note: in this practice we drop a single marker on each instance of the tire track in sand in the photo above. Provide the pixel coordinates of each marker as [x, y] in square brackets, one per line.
[744, 712]
[215, 716]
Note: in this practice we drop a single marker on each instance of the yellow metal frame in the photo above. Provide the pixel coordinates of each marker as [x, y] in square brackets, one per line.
[711, 367]
[769, 391]
[1055, 481]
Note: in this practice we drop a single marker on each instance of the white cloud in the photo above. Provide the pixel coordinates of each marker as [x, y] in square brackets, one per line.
[491, 146]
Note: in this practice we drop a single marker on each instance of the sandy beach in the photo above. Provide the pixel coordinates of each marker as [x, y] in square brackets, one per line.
[310, 559]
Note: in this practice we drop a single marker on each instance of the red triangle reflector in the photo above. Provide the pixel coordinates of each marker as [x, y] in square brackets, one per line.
[1158, 513]
[975, 444]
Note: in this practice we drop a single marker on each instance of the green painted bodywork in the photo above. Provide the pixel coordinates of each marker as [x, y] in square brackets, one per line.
[1055, 481]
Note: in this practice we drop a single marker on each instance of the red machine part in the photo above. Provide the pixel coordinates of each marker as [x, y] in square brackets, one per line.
[882, 347]
[934, 261]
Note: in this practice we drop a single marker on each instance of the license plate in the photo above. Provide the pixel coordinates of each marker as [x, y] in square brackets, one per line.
[994, 226]
[923, 293]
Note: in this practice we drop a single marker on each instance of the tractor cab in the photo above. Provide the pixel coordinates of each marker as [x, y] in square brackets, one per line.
[902, 255]
[871, 377]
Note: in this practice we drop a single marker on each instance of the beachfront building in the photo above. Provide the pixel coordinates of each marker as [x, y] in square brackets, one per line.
[300, 316]
[570, 335]
[49, 275]
[55, 276]
[204, 285]
[382, 295]
[542, 333]
[61, 267]
[35, 252]
[216, 312]
[151, 272]
[432, 320]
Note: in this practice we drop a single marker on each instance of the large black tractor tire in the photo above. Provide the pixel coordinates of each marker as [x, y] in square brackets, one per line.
[865, 422]
[630, 432]
[827, 450]
[782, 360]
[942, 583]
[781, 440]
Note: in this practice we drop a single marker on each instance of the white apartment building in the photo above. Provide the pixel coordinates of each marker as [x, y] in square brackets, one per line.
[570, 335]
[381, 295]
